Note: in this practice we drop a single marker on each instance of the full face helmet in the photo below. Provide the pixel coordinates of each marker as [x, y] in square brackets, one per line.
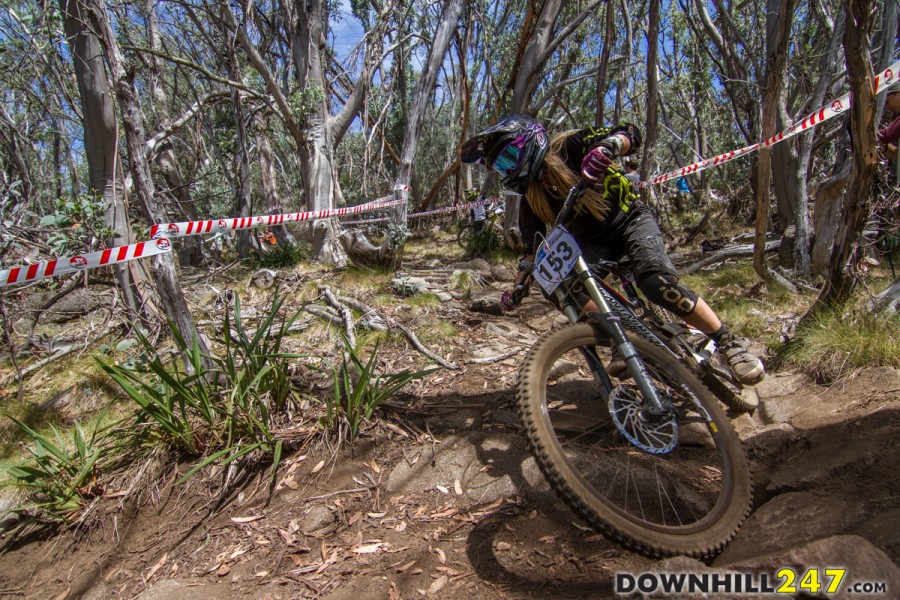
[514, 148]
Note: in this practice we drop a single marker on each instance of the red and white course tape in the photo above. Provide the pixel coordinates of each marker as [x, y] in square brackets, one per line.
[186, 228]
[836, 107]
[83, 262]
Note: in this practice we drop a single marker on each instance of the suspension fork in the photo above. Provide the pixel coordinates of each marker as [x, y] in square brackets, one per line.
[652, 405]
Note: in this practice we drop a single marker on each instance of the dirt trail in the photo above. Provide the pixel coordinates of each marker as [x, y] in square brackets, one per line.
[444, 501]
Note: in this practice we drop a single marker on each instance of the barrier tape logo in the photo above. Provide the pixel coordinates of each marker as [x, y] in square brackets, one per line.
[78, 262]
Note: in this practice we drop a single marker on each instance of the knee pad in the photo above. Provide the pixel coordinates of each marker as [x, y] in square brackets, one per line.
[666, 291]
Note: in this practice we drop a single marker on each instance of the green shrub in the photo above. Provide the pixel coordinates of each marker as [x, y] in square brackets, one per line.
[220, 408]
[280, 256]
[62, 472]
[837, 342]
[358, 390]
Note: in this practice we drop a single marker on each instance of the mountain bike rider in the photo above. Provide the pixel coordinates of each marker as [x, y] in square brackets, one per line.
[611, 220]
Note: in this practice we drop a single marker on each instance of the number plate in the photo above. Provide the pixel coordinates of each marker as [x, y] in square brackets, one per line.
[555, 258]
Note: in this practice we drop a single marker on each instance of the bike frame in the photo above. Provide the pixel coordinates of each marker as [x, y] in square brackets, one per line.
[616, 315]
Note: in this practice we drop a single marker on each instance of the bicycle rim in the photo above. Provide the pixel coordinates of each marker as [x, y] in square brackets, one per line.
[689, 500]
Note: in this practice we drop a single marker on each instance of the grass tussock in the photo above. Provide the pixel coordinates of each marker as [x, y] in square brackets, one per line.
[837, 343]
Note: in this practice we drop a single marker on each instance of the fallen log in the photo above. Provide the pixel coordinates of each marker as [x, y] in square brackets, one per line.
[888, 300]
[733, 252]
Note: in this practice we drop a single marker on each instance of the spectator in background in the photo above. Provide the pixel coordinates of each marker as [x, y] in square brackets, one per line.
[682, 194]
[631, 167]
[890, 133]
[476, 211]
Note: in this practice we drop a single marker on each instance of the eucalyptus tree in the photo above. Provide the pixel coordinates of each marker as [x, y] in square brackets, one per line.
[161, 151]
[449, 23]
[810, 82]
[101, 136]
[841, 278]
[93, 19]
[780, 16]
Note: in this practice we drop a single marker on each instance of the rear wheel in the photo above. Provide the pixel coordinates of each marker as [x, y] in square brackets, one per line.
[677, 485]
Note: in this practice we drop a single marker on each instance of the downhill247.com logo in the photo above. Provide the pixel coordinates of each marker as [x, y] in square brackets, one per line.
[787, 581]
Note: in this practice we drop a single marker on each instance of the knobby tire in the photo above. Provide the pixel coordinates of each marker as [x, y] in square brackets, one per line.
[587, 447]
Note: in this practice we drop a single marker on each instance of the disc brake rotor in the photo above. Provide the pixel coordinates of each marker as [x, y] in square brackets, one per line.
[656, 436]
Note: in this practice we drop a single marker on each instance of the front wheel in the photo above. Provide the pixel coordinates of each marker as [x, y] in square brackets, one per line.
[688, 496]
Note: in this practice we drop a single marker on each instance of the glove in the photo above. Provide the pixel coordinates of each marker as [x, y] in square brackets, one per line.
[596, 163]
[511, 299]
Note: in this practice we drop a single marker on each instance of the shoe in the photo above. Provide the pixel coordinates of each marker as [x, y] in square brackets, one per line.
[616, 367]
[747, 368]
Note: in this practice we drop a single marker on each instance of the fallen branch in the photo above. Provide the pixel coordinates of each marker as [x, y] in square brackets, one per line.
[46, 361]
[345, 313]
[366, 310]
[418, 345]
[734, 252]
[888, 300]
[481, 361]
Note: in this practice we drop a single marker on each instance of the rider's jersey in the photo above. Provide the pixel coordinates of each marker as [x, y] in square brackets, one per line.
[618, 192]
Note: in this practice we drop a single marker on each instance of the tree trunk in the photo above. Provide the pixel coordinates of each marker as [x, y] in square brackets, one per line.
[100, 139]
[267, 178]
[841, 280]
[624, 72]
[651, 127]
[189, 252]
[164, 273]
[320, 132]
[424, 90]
[792, 159]
[609, 40]
[778, 29]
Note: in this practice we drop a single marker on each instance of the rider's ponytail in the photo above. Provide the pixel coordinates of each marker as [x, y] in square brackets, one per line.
[556, 180]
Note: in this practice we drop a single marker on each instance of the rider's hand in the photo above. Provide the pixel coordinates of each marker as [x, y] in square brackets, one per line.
[596, 163]
[511, 299]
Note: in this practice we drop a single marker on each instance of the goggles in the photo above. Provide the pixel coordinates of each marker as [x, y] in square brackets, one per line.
[508, 160]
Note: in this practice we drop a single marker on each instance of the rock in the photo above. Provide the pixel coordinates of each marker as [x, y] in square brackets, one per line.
[776, 385]
[769, 442]
[409, 286]
[317, 518]
[503, 331]
[882, 531]
[506, 416]
[479, 265]
[488, 467]
[173, 589]
[460, 420]
[863, 563]
[561, 368]
[789, 520]
[502, 273]
[487, 302]
[263, 278]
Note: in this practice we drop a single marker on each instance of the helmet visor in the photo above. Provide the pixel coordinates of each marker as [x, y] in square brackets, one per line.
[508, 160]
